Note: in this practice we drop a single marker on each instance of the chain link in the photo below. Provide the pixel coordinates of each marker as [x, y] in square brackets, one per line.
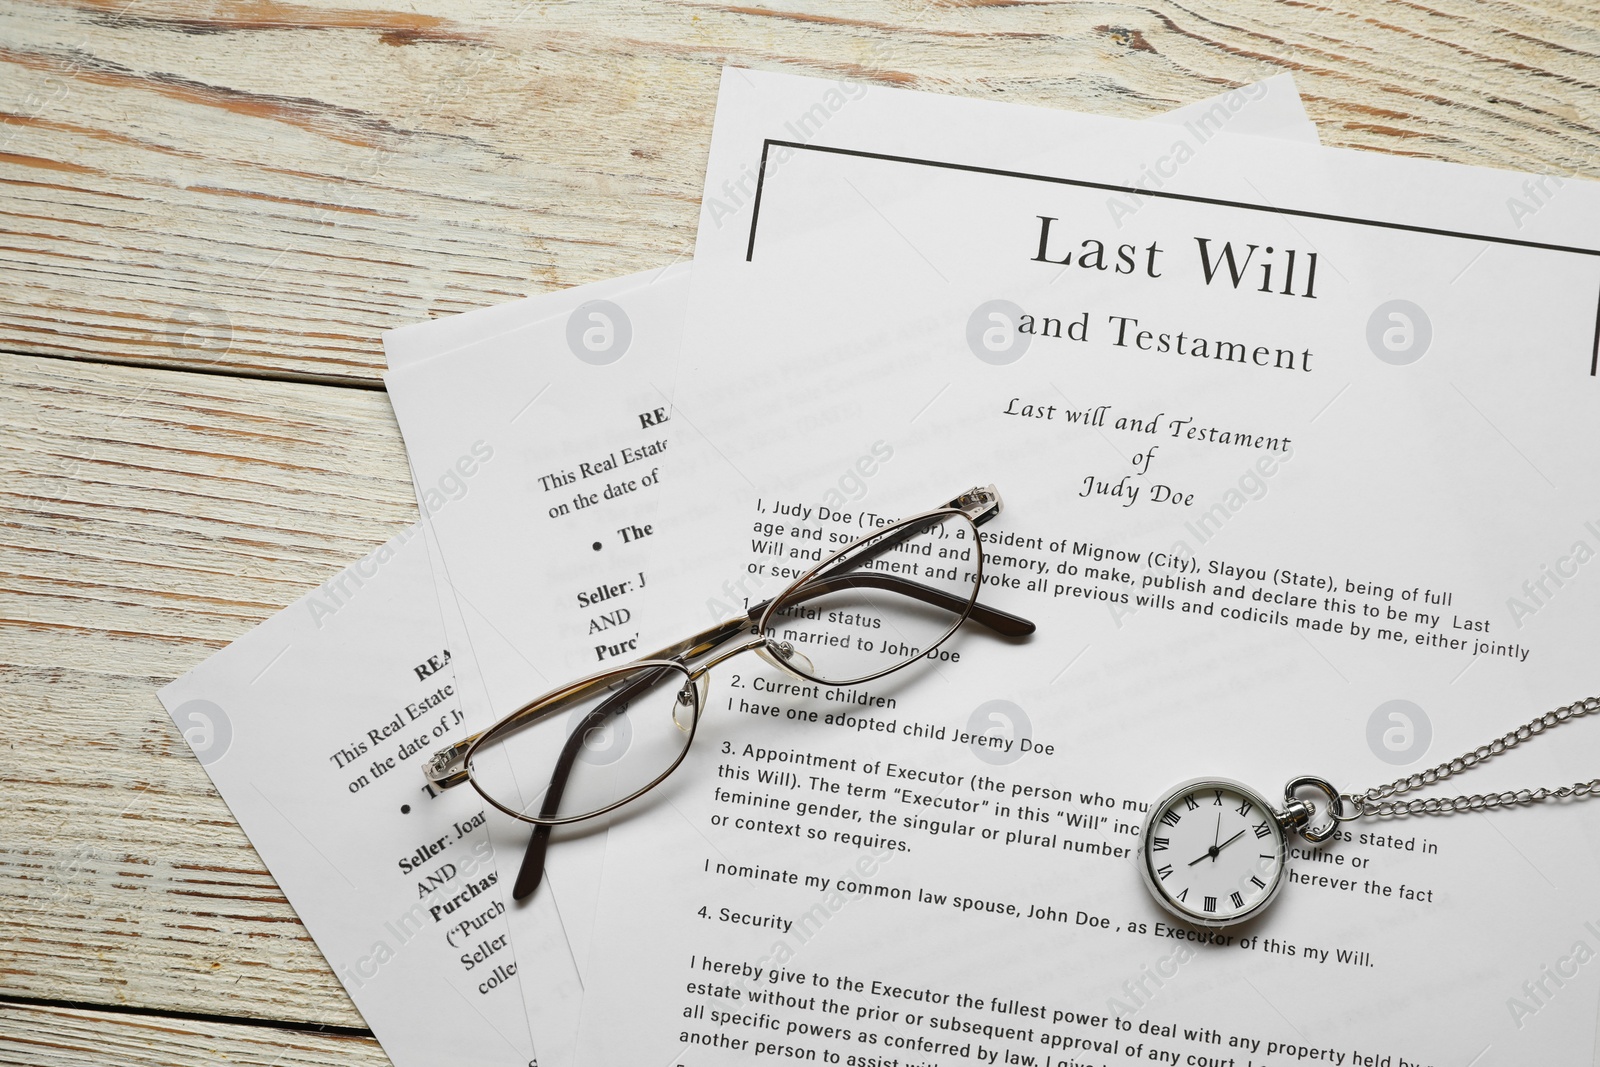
[1374, 803]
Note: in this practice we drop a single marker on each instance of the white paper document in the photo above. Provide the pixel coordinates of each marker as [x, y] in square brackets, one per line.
[1292, 448]
[313, 727]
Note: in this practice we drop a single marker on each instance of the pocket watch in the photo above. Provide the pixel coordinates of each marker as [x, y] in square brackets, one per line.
[1214, 849]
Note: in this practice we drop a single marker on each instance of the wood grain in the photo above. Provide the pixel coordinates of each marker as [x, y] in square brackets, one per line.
[75, 1038]
[150, 517]
[261, 187]
[264, 186]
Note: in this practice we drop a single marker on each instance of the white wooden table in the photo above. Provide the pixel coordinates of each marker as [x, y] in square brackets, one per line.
[211, 210]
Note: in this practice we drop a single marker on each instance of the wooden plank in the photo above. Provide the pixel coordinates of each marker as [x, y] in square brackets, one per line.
[64, 1037]
[148, 518]
[266, 185]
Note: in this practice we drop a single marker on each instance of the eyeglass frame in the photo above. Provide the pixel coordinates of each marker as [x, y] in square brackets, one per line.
[451, 766]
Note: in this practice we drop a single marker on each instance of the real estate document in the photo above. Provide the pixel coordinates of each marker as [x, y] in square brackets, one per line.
[313, 726]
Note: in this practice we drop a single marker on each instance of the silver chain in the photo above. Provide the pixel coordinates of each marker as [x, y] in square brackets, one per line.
[1374, 804]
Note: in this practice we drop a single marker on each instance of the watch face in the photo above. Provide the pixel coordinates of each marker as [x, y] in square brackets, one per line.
[1213, 852]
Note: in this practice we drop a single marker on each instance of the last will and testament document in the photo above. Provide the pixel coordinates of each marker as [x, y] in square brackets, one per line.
[1297, 477]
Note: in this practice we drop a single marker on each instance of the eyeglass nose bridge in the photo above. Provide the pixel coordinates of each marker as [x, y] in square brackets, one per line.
[753, 644]
[778, 653]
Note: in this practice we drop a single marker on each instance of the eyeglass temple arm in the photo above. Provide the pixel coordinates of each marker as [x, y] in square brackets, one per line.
[1001, 622]
[531, 873]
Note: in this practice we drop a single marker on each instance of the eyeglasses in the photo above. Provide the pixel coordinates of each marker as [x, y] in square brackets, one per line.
[879, 604]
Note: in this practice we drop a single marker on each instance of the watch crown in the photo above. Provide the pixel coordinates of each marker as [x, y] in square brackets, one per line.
[1296, 813]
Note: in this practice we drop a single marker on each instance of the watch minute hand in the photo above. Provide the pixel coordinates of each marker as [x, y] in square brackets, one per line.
[1228, 842]
[1211, 853]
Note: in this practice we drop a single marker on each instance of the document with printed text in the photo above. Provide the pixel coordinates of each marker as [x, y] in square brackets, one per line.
[313, 727]
[1295, 484]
